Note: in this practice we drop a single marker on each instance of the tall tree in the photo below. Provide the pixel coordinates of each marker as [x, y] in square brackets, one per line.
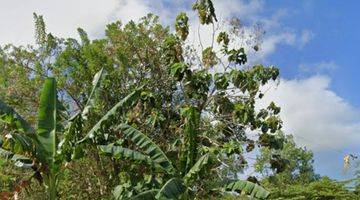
[290, 164]
[190, 104]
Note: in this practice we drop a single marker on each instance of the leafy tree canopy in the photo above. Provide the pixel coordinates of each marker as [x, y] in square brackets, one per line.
[142, 113]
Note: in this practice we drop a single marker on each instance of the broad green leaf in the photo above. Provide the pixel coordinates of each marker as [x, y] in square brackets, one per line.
[114, 111]
[75, 124]
[178, 70]
[150, 148]
[121, 152]
[96, 84]
[171, 190]
[147, 195]
[194, 171]
[10, 116]
[46, 133]
[248, 188]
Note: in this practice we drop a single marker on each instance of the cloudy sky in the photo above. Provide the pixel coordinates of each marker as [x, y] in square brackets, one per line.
[313, 42]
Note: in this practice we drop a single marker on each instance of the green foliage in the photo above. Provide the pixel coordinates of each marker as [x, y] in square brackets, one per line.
[209, 57]
[248, 188]
[295, 163]
[206, 11]
[91, 100]
[40, 32]
[237, 56]
[189, 149]
[46, 129]
[9, 116]
[172, 50]
[323, 188]
[221, 81]
[151, 194]
[178, 70]
[197, 167]
[182, 26]
[223, 37]
[297, 179]
[172, 189]
[42, 148]
[125, 153]
[19, 159]
[83, 36]
[155, 114]
[40, 151]
[145, 143]
[68, 147]
[99, 128]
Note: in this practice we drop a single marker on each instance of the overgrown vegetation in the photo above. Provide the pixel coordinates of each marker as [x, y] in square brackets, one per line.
[144, 114]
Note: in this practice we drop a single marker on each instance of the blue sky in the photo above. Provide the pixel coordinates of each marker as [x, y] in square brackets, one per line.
[336, 39]
[331, 52]
[313, 42]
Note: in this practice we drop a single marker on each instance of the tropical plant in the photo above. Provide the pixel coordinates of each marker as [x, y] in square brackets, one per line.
[296, 163]
[323, 188]
[178, 186]
[195, 113]
[40, 149]
[35, 149]
[190, 105]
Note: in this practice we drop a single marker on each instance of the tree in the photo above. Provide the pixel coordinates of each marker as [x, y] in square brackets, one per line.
[290, 164]
[297, 179]
[189, 105]
[323, 188]
[177, 185]
[199, 111]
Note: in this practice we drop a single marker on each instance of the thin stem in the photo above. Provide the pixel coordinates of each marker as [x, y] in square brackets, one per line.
[52, 187]
[213, 35]
[202, 47]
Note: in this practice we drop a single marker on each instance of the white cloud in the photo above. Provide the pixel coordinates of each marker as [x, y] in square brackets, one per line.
[62, 17]
[130, 10]
[305, 37]
[250, 13]
[271, 43]
[127, 10]
[319, 67]
[276, 33]
[282, 36]
[317, 116]
[225, 9]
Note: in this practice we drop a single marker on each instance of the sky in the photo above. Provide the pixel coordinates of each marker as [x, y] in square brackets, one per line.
[313, 42]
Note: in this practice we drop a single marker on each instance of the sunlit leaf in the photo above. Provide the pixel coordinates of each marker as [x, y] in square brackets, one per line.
[46, 130]
[116, 110]
[146, 144]
[248, 188]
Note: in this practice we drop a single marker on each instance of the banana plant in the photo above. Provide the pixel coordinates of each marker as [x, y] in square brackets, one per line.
[179, 184]
[46, 148]
[35, 147]
[39, 149]
[68, 146]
